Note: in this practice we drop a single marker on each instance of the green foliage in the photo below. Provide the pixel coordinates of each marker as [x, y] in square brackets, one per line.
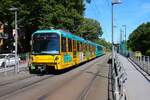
[148, 52]
[90, 29]
[41, 14]
[36, 14]
[139, 39]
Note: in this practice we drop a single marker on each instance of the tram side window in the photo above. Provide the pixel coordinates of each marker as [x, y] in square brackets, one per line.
[84, 47]
[99, 48]
[78, 46]
[63, 44]
[81, 46]
[69, 45]
[74, 45]
[90, 48]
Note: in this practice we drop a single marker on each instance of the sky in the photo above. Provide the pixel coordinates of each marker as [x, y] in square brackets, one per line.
[131, 13]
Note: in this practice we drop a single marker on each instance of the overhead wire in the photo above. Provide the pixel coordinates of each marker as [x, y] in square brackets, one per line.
[98, 14]
[95, 12]
[108, 2]
[98, 11]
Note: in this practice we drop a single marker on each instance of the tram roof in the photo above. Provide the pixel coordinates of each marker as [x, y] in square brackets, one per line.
[66, 34]
[61, 32]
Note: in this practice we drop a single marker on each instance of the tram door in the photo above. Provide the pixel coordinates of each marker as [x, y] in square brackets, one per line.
[74, 49]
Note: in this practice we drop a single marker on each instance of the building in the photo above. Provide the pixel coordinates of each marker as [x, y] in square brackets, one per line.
[3, 36]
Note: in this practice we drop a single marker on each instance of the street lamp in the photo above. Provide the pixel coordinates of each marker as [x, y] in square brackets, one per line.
[16, 37]
[113, 3]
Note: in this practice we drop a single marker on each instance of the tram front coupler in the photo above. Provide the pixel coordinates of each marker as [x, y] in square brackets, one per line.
[42, 68]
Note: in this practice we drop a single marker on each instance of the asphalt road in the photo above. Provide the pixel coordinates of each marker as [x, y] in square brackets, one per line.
[85, 82]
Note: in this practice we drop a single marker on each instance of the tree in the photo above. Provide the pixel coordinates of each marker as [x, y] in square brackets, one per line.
[36, 14]
[90, 29]
[7, 19]
[139, 39]
[42, 14]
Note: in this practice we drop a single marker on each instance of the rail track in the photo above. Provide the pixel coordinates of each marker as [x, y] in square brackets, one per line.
[10, 88]
[5, 83]
[85, 91]
[84, 94]
[70, 79]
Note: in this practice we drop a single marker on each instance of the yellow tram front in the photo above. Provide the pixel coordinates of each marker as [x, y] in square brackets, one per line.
[45, 53]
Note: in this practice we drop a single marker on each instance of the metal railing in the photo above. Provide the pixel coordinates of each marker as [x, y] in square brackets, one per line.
[142, 61]
[118, 80]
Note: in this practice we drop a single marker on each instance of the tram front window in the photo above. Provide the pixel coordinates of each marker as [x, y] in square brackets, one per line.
[45, 43]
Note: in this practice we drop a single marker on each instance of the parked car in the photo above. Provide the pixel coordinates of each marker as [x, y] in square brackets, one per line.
[8, 60]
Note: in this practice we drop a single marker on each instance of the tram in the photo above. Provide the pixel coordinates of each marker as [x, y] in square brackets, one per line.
[55, 49]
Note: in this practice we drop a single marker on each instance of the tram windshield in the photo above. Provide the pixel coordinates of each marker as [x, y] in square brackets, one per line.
[45, 43]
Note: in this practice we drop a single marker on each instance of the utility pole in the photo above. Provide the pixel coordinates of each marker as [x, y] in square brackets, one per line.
[113, 3]
[16, 39]
[121, 41]
[125, 43]
[112, 35]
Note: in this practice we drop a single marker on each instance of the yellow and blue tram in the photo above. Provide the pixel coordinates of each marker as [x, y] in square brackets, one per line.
[58, 49]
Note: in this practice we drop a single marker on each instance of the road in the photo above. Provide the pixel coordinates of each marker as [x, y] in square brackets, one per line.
[88, 81]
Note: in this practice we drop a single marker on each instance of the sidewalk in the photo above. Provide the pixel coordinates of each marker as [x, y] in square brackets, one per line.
[137, 86]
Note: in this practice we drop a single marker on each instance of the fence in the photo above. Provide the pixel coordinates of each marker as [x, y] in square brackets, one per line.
[142, 61]
[9, 63]
[118, 79]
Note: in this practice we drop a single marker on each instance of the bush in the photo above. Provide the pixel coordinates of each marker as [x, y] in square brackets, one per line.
[148, 52]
